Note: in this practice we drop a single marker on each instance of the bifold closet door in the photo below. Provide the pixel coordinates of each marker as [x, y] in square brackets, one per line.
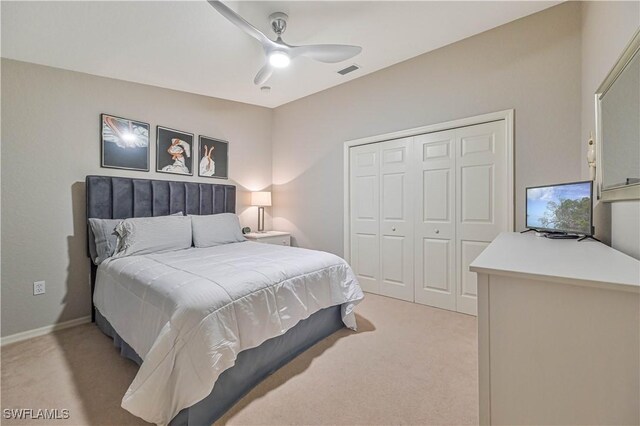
[435, 243]
[381, 217]
[396, 219]
[423, 208]
[461, 207]
[364, 193]
[482, 201]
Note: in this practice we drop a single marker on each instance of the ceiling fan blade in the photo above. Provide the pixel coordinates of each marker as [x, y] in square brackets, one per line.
[329, 53]
[240, 22]
[263, 75]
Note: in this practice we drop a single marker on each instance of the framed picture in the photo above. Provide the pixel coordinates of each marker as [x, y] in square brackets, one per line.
[174, 151]
[124, 143]
[214, 158]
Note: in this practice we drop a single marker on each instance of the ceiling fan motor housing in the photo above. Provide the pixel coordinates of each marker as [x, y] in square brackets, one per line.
[278, 22]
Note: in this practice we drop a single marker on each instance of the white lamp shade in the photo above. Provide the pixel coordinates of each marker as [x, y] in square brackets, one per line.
[261, 198]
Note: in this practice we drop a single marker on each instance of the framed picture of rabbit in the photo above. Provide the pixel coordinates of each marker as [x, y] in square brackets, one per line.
[174, 151]
[214, 158]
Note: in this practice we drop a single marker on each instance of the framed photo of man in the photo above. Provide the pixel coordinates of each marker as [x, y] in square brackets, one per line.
[174, 151]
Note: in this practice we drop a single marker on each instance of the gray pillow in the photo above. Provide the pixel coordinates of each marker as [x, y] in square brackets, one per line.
[104, 239]
[145, 235]
[216, 229]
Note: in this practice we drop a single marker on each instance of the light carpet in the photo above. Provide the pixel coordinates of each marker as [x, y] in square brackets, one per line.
[407, 364]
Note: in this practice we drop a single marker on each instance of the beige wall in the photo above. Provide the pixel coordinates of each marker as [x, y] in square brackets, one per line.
[51, 141]
[607, 27]
[531, 65]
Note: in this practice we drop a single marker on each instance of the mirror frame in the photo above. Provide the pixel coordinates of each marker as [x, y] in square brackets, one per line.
[623, 192]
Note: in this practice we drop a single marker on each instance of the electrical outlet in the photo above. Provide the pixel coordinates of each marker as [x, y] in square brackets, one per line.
[38, 288]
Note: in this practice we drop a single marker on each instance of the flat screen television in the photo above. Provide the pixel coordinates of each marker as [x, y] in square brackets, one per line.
[562, 208]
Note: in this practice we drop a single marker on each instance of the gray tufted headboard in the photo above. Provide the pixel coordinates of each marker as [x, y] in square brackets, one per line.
[111, 197]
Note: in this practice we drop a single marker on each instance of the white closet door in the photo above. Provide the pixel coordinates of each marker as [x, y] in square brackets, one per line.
[396, 219]
[365, 215]
[435, 273]
[423, 208]
[482, 197]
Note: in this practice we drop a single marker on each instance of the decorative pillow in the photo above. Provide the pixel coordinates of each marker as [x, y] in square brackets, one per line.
[145, 235]
[105, 239]
[216, 229]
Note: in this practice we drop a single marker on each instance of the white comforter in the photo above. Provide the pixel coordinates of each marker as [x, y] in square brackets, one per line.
[188, 313]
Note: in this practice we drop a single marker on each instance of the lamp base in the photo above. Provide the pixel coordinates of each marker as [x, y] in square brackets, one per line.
[261, 220]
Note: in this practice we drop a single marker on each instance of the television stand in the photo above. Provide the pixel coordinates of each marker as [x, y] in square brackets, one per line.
[590, 237]
[561, 236]
[528, 230]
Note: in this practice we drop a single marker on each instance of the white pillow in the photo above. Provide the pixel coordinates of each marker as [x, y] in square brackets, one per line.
[216, 229]
[144, 235]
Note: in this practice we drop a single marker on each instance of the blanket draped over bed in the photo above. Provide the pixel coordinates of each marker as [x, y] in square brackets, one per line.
[188, 313]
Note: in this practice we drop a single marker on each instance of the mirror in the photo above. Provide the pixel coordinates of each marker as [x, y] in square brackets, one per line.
[618, 128]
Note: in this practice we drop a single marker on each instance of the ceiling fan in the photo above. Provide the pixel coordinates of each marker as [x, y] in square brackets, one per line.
[279, 54]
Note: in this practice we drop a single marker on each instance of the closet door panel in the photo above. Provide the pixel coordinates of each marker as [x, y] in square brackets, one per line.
[364, 190]
[434, 242]
[477, 194]
[481, 180]
[436, 197]
[365, 194]
[468, 282]
[393, 260]
[396, 219]
[436, 265]
[364, 259]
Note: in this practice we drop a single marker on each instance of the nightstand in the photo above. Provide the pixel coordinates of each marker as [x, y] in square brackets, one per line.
[270, 237]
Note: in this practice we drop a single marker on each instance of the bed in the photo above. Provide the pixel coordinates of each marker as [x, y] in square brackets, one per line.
[207, 324]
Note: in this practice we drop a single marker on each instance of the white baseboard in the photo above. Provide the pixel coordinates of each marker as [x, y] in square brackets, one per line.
[18, 337]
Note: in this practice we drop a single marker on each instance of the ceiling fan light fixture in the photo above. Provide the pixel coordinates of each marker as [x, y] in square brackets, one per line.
[279, 59]
[279, 54]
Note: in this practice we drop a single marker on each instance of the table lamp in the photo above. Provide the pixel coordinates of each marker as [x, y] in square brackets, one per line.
[262, 200]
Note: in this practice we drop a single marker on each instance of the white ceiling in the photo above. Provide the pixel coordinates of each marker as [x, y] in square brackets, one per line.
[188, 46]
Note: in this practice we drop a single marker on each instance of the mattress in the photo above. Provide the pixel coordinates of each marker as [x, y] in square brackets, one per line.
[189, 313]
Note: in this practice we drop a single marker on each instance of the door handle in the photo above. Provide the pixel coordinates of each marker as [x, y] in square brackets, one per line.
[437, 231]
[393, 228]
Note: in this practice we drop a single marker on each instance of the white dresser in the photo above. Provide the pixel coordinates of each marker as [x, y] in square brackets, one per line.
[270, 237]
[559, 332]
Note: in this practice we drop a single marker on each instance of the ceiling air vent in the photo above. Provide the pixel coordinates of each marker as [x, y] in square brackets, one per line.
[347, 70]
